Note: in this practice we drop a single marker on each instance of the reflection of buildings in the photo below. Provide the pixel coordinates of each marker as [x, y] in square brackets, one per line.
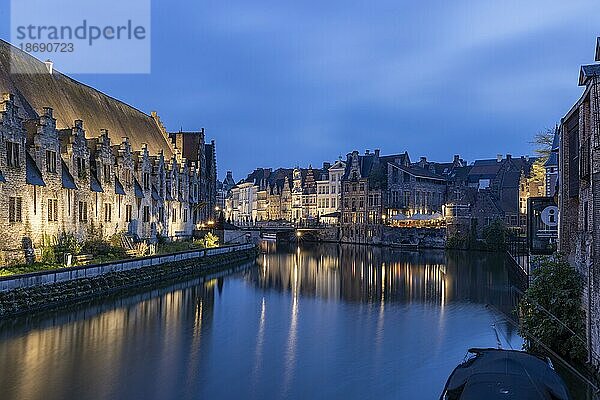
[364, 273]
[102, 340]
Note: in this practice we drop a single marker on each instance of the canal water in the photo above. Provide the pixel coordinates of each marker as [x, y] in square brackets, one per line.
[315, 321]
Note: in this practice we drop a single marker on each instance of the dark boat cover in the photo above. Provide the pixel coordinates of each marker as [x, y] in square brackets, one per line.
[504, 374]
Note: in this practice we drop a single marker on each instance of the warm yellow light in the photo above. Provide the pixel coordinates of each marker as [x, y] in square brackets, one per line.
[298, 234]
[217, 208]
[211, 222]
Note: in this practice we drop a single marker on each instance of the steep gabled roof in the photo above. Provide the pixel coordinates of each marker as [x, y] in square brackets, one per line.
[72, 100]
[588, 71]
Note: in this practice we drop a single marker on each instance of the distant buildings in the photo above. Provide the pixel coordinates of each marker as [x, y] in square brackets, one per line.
[579, 193]
[368, 191]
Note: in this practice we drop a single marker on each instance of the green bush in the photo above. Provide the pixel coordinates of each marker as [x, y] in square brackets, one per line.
[495, 235]
[103, 250]
[66, 243]
[211, 240]
[554, 295]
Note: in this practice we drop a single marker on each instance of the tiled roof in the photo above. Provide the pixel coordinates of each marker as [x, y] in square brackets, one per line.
[34, 176]
[67, 179]
[552, 160]
[72, 100]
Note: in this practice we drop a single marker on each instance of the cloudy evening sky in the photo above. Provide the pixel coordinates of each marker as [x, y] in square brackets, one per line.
[280, 84]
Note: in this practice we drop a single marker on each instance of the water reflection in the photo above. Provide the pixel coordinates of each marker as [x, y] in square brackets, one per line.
[382, 275]
[312, 322]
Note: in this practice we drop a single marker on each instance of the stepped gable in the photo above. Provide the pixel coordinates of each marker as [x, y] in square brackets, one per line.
[72, 100]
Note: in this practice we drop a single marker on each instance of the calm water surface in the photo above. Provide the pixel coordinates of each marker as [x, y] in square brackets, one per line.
[319, 321]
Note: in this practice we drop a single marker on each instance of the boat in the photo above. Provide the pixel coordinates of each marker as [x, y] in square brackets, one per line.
[492, 374]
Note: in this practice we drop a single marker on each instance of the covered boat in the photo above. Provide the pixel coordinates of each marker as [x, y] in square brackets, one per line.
[504, 374]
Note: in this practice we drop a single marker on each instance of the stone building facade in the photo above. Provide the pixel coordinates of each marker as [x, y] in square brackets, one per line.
[579, 193]
[76, 160]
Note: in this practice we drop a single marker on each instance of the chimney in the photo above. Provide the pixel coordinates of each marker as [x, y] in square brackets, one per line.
[367, 152]
[49, 66]
[47, 112]
[499, 157]
[423, 160]
[326, 165]
[377, 153]
[229, 175]
[78, 124]
[456, 158]
[508, 156]
[527, 158]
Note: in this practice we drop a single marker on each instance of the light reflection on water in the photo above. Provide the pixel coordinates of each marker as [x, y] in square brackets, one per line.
[313, 322]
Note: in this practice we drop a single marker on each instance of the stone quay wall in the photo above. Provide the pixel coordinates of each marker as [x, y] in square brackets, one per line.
[45, 290]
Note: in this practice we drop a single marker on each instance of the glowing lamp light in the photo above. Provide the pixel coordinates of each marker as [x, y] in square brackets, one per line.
[211, 222]
[298, 234]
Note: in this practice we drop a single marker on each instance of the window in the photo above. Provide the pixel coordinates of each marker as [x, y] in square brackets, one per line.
[128, 213]
[12, 154]
[128, 180]
[15, 209]
[50, 161]
[174, 214]
[185, 215]
[80, 167]
[146, 213]
[83, 213]
[107, 173]
[107, 212]
[52, 210]
[146, 180]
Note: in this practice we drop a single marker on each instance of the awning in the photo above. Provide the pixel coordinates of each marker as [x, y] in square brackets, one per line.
[33, 174]
[335, 214]
[118, 187]
[94, 184]
[139, 193]
[67, 179]
[155, 195]
[398, 217]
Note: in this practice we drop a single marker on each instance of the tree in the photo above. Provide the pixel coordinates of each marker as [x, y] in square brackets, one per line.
[551, 310]
[543, 142]
[495, 235]
[211, 240]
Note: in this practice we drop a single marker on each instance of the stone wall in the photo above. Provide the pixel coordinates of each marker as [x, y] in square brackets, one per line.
[46, 290]
[64, 182]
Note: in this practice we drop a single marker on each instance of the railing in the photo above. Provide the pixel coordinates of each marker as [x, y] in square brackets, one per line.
[66, 274]
[518, 250]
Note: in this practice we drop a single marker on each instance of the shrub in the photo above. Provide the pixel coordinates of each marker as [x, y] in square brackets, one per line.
[554, 295]
[211, 240]
[495, 235]
[66, 243]
[102, 250]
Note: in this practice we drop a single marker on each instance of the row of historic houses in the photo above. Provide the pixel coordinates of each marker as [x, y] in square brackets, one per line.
[579, 194]
[111, 169]
[367, 191]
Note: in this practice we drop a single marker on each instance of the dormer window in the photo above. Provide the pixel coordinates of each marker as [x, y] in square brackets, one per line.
[50, 161]
[81, 167]
[106, 173]
[12, 154]
[146, 180]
